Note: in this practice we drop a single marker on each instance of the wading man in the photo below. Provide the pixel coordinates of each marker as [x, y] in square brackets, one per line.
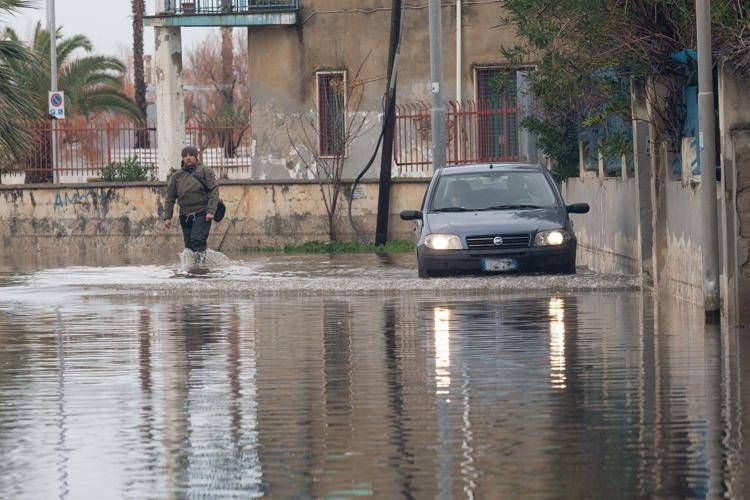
[195, 189]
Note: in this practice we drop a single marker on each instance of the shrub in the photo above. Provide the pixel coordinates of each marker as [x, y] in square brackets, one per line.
[129, 170]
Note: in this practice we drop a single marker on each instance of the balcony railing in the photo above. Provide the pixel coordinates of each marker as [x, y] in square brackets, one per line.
[219, 7]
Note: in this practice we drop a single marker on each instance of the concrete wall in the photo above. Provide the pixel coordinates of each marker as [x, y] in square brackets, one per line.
[734, 216]
[335, 35]
[740, 277]
[73, 220]
[679, 258]
[608, 235]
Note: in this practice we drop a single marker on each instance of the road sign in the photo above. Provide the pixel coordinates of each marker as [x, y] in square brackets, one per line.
[57, 105]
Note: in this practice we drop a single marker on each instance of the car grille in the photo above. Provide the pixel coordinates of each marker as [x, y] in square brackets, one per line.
[509, 241]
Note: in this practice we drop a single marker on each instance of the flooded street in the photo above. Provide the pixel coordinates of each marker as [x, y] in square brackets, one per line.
[346, 377]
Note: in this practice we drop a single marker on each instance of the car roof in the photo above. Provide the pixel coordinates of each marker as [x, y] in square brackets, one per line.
[489, 167]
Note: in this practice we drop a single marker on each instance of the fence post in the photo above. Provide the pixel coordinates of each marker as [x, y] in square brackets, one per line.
[456, 118]
[200, 139]
[109, 143]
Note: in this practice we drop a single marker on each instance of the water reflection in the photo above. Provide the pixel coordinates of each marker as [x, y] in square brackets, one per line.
[442, 350]
[557, 342]
[402, 396]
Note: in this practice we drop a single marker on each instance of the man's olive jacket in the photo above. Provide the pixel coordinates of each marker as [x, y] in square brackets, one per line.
[183, 188]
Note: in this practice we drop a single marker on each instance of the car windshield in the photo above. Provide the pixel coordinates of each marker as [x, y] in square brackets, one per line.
[500, 190]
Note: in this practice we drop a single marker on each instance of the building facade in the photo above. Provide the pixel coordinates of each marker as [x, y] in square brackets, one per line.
[294, 72]
[318, 75]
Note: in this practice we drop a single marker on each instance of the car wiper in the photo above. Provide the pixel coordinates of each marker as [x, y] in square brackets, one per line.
[510, 207]
[451, 209]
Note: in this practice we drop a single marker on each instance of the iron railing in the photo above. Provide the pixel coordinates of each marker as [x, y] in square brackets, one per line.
[184, 7]
[225, 147]
[476, 132]
[85, 149]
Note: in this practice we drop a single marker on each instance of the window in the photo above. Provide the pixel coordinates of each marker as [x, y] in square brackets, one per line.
[492, 190]
[497, 120]
[332, 112]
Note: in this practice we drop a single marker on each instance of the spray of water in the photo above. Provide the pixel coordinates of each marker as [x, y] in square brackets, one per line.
[210, 259]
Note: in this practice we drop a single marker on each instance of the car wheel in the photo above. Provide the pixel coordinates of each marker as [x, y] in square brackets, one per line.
[569, 268]
[422, 271]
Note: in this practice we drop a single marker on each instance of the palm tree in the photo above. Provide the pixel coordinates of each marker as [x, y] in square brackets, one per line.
[15, 99]
[92, 83]
[139, 10]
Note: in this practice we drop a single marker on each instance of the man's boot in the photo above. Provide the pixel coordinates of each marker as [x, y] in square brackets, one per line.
[200, 258]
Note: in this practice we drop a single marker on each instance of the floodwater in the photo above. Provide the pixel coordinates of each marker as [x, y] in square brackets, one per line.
[157, 381]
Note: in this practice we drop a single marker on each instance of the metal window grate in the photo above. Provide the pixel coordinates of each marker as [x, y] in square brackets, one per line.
[498, 133]
[332, 113]
[486, 242]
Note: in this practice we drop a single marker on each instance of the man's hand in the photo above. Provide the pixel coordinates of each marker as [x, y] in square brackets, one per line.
[168, 223]
[209, 217]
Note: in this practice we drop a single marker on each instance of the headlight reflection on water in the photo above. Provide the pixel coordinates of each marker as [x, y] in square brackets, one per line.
[557, 342]
[442, 318]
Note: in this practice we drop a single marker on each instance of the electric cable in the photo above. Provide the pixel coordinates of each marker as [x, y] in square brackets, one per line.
[386, 115]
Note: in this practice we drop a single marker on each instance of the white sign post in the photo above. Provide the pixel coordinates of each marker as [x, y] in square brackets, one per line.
[57, 105]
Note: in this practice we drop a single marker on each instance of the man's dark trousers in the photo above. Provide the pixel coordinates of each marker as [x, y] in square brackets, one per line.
[195, 229]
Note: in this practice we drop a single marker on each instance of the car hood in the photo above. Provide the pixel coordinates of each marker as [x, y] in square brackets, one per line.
[496, 221]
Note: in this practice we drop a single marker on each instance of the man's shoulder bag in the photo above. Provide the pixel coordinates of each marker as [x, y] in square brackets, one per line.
[221, 209]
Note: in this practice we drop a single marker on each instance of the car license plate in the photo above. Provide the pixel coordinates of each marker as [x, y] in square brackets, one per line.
[499, 264]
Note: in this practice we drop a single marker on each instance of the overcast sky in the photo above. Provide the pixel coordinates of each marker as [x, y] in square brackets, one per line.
[108, 23]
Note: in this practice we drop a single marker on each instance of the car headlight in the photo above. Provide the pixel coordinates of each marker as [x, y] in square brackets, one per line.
[443, 242]
[551, 238]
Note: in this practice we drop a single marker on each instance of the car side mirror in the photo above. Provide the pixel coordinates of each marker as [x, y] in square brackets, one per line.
[578, 208]
[411, 215]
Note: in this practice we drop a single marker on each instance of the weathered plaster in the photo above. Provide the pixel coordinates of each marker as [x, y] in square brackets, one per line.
[608, 234]
[334, 35]
[734, 216]
[170, 102]
[81, 218]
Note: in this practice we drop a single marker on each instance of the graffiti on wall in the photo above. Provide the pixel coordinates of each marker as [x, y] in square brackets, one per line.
[93, 198]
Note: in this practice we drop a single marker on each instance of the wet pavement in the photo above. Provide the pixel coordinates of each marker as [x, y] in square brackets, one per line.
[348, 377]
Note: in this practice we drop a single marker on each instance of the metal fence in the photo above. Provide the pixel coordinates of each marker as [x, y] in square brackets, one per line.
[85, 149]
[476, 132]
[183, 7]
[225, 147]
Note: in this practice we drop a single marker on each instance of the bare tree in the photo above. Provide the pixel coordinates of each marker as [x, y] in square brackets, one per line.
[322, 141]
[225, 112]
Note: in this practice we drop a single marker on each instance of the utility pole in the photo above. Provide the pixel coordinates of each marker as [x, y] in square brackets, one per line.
[386, 158]
[52, 28]
[436, 71]
[706, 143]
[459, 52]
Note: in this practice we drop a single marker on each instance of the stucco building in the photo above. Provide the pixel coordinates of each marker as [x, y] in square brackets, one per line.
[302, 51]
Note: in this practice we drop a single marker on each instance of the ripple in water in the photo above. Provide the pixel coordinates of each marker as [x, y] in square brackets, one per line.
[446, 396]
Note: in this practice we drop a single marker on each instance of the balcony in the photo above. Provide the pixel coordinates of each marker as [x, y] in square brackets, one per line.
[206, 13]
